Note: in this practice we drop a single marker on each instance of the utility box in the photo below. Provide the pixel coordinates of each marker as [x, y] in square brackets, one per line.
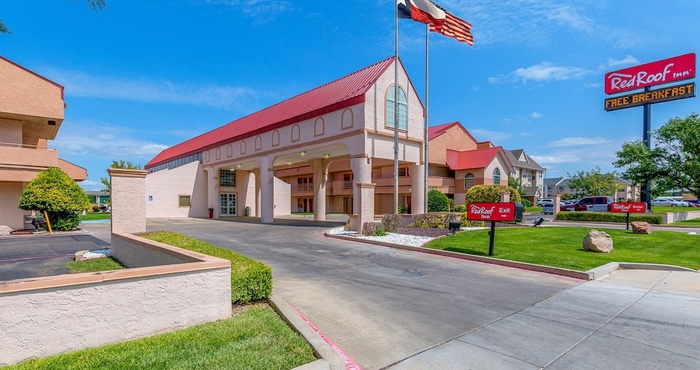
[519, 210]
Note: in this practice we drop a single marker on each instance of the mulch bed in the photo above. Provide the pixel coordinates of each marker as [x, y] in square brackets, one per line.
[23, 232]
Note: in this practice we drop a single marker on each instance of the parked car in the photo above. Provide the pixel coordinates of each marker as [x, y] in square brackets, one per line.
[666, 202]
[694, 203]
[595, 204]
[542, 202]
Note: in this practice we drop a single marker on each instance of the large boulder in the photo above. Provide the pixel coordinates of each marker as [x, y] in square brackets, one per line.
[598, 241]
[640, 227]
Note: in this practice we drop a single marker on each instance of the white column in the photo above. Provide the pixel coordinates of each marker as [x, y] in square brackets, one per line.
[267, 191]
[363, 192]
[320, 178]
[417, 172]
[257, 212]
[212, 190]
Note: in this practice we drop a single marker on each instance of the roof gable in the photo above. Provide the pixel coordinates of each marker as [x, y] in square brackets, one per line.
[475, 159]
[341, 93]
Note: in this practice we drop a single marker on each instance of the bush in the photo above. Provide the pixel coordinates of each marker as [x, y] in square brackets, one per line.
[434, 220]
[607, 217]
[490, 193]
[95, 209]
[373, 229]
[402, 209]
[437, 201]
[391, 223]
[54, 192]
[251, 280]
[526, 203]
[468, 223]
[461, 208]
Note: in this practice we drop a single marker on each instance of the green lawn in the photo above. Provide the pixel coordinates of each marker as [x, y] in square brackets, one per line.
[562, 247]
[533, 209]
[256, 338]
[95, 216]
[673, 209]
[95, 265]
[694, 222]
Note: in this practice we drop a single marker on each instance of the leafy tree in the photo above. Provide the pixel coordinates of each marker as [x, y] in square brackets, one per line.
[490, 193]
[517, 185]
[95, 5]
[674, 162]
[54, 192]
[567, 196]
[592, 183]
[437, 201]
[121, 164]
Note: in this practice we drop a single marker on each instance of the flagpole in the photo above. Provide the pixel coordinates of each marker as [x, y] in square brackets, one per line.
[396, 108]
[425, 129]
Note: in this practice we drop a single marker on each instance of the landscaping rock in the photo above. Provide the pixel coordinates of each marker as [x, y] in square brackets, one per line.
[640, 227]
[598, 241]
[5, 230]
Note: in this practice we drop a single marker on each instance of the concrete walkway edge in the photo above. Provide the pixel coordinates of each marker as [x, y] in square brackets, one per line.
[329, 359]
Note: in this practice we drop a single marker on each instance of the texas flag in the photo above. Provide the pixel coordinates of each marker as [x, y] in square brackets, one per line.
[440, 21]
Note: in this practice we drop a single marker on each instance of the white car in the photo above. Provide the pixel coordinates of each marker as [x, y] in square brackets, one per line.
[662, 202]
[542, 202]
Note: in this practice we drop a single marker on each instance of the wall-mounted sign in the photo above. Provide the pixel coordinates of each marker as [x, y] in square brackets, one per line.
[491, 211]
[637, 207]
[660, 72]
[676, 92]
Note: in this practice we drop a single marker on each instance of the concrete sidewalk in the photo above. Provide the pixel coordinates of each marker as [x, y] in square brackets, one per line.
[629, 319]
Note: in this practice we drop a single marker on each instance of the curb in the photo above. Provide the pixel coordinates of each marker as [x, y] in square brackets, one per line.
[593, 274]
[328, 358]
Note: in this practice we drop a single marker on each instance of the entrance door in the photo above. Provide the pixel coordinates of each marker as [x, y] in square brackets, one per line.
[227, 204]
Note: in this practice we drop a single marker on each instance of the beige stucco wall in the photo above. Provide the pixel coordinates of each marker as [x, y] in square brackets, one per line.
[25, 93]
[128, 199]
[454, 138]
[163, 189]
[283, 196]
[10, 131]
[10, 215]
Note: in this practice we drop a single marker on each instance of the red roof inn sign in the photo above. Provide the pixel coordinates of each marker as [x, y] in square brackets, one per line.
[651, 74]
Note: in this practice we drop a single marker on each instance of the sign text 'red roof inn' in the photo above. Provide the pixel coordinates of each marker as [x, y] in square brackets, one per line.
[655, 73]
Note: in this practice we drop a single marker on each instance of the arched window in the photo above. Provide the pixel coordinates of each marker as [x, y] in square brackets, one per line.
[496, 176]
[403, 109]
[468, 181]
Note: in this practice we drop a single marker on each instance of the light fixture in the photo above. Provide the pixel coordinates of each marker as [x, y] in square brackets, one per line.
[326, 156]
[239, 165]
[302, 153]
[289, 162]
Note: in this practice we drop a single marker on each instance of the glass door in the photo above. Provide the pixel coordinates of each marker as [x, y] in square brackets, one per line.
[227, 204]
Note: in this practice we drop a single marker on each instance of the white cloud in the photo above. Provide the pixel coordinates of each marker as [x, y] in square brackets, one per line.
[628, 60]
[91, 185]
[486, 135]
[81, 84]
[544, 71]
[526, 134]
[536, 115]
[545, 160]
[269, 9]
[578, 141]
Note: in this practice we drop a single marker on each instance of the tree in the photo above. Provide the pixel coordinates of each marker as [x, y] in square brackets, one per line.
[490, 193]
[517, 185]
[95, 5]
[54, 192]
[121, 164]
[592, 183]
[437, 201]
[673, 163]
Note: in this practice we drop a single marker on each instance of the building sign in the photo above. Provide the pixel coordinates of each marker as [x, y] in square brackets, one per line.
[491, 211]
[655, 73]
[676, 92]
[638, 207]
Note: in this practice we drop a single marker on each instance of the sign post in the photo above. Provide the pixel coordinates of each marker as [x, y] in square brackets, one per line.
[636, 207]
[644, 76]
[491, 212]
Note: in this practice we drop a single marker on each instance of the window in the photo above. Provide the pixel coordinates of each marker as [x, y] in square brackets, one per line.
[496, 176]
[468, 181]
[403, 172]
[227, 178]
[403, 109]
[184, 200]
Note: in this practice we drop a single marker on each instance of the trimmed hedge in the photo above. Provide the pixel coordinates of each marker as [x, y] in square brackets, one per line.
[437, 220]
[607, 217]
[251, 280]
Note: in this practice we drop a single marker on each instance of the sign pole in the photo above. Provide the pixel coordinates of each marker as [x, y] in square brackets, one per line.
[646, 135]
[628, 220]
[492, 236]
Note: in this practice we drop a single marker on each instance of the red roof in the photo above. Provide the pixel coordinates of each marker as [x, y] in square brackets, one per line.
[341, 93]
[472, 159]
[435, 131]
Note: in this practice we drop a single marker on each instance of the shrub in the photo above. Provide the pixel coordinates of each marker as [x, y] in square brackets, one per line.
[402, 209]
[468, 223]
[373, 229]
[461, 208]
[54, 192]
[434, 220]
[391, 223]
[607, 217]
[526, 203]
[251, 280]
[437, 201]
[95, 209]
[490, 193]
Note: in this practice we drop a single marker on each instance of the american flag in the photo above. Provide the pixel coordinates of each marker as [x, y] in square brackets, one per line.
[455, 27]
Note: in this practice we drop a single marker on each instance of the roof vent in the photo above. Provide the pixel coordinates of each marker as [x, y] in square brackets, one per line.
[52, 123]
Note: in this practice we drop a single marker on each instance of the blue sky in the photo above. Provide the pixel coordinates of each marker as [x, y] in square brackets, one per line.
[140, 76]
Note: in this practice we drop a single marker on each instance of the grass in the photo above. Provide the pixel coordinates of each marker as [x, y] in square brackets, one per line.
[95, 216]
[533, 209]
[256, 338]
[673, 209]
[693, 222]
[563, 247]
[95, 265]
